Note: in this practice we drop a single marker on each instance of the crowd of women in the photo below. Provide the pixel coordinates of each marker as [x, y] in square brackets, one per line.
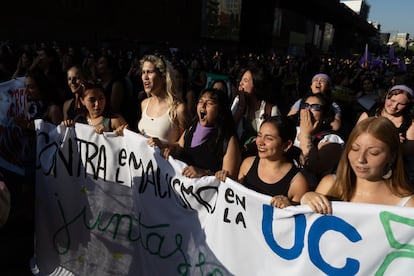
[243, 126]
[299, 130]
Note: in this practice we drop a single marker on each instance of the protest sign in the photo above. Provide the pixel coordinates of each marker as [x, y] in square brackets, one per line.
[15, 146]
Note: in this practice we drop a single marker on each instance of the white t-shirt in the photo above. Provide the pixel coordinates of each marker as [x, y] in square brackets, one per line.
[331, 137]
[259, 115]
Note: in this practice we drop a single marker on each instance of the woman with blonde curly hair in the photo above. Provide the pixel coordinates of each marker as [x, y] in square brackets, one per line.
[371, 170]
[164, 115]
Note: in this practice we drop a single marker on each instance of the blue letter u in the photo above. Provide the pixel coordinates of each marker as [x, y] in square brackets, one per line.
[267, 229]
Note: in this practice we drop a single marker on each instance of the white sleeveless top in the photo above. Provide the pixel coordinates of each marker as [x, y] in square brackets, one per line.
[155, 127]
[404, 201]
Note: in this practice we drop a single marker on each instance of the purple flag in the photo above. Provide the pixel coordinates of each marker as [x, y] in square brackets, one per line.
[391, 54]
[402, 67]
[377, 62]
[365, 60]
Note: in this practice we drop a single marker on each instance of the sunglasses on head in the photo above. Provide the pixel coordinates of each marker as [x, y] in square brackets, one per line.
[315, 107]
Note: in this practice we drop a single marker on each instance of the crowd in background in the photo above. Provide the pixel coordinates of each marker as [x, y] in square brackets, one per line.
[290, 75]
[127, 78]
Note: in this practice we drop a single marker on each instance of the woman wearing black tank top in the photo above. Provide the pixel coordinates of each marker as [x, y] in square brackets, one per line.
[272, 171]
[209, 146]
[396, 106]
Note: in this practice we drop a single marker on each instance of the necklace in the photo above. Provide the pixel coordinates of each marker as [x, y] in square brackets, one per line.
[92, 122]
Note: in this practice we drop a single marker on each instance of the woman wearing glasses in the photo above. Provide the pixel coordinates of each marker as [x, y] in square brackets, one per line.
[321, 83]
[321, 147]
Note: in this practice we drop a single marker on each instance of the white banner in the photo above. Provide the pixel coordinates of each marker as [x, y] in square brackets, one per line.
[15, 145]
[113, 206]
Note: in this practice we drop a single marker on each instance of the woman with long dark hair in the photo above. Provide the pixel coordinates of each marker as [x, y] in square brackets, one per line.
[316, 139]
[273, 171]
[209, 146]
[251, 106]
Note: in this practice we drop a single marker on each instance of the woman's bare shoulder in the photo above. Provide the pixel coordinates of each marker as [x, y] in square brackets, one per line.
[326, 184]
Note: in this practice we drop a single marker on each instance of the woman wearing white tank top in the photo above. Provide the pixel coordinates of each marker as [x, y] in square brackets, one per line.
[164, 115]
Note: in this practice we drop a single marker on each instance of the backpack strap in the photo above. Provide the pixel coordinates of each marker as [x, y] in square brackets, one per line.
[406, 123]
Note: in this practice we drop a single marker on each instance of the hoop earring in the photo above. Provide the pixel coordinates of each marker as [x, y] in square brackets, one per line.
[388, 174]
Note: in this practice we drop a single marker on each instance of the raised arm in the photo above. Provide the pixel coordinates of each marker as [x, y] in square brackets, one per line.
[231, 161]
[314, 157]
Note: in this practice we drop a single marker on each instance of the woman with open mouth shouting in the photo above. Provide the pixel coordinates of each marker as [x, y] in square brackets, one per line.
[209, 146]
[252, 106]
[164, 115]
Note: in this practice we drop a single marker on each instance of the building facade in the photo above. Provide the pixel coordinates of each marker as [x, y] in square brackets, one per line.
[288, 25]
